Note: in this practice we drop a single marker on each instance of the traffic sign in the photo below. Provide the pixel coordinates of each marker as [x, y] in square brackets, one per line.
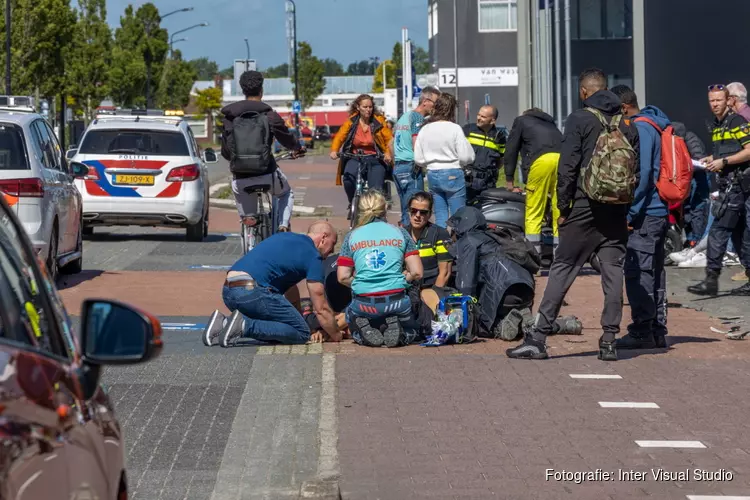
[297, 107]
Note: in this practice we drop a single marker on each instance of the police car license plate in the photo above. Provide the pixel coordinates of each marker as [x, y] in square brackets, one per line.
[138, 180]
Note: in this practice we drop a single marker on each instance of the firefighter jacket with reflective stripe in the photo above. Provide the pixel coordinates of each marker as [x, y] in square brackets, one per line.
[489, 147]
[728, 136]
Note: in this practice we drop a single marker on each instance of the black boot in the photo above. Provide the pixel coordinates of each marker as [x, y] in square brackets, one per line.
[633, 341]
[532, 347]
[607, 350]
[743, 291]
[709, 286]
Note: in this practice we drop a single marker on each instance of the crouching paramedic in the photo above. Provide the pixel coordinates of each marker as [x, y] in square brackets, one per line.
[371, 262]
[537, 139]
[256, 285]
[488, 142]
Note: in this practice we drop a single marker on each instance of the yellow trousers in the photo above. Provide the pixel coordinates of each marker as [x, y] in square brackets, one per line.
[542, 183]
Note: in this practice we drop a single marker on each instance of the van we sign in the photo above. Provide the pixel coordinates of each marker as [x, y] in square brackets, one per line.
[506, 76]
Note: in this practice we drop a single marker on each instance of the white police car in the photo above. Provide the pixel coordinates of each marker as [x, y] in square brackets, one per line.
[144, 169]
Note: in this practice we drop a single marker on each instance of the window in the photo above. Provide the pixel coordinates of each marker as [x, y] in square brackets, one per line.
[37, 325]
[497, 15]
[12, 152]
[432, 20]
[150, 142]
[54, 145]
[48, 157]
[601, 19]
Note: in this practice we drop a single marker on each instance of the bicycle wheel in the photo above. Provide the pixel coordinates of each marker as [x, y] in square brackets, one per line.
[354, 211]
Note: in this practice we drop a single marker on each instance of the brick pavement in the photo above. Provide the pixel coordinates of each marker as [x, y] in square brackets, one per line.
[467, 422]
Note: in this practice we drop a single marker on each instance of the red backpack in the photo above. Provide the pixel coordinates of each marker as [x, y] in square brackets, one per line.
[676, 168]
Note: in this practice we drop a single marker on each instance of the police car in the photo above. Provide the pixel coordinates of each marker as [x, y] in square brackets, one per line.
[144, 169]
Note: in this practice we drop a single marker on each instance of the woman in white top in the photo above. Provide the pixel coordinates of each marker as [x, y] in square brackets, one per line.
[442, 148]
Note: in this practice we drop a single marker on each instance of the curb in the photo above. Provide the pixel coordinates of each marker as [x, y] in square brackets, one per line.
[320, 489]
[298, 210]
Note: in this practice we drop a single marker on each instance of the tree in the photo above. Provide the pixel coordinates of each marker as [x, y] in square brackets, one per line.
[311, 73]
[208, 102]
[280, 71]
[333, 67]
[139, 43]
[397, 55]
[41, 33]
[176, 83]
[89, 57]
[364, 67]
[205, 69]
[421, 64]
[390, 74]
[227, 73]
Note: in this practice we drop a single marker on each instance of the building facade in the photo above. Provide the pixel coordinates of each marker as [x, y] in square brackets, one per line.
[669, 54]
[486, 54]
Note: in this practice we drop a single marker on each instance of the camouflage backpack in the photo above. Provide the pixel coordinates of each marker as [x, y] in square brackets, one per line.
[610, 176]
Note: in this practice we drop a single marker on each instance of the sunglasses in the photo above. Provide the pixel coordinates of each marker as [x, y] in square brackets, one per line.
[416, 211]
[716, 86]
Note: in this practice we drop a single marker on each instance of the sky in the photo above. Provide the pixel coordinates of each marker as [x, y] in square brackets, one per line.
[345, 30]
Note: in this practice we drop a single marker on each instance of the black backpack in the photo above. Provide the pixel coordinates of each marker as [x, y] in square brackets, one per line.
[250, 145]
[516, 247]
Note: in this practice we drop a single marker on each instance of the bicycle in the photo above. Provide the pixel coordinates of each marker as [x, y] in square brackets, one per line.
[262, 224]
[361, 183]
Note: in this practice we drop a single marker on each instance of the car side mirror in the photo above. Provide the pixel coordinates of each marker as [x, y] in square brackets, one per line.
[209, 156]
[78, 169]
[113, 333]
[69, 154]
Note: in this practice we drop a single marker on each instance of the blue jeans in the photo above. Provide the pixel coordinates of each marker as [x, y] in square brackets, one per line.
[408, 181]
[372, 170]
[448, 188]
[269, 316]
[377, 309]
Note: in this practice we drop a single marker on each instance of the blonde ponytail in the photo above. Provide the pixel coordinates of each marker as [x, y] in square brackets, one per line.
[371, 206]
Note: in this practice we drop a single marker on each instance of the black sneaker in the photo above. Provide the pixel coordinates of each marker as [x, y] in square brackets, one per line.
[631, 341]
[660, 341]
[607, 350]
[370, 336]
[393, 336]
[233, 330]
[214, 328]
[743, 291]
[530, 348]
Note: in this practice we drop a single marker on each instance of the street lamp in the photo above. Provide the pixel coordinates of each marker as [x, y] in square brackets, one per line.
[247, 60]
[180, 40]
[148, 25]
[182, 31]
[296, 83]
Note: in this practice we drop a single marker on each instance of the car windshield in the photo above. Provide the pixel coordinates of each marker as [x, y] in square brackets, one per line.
[12, 153]
[147, 142]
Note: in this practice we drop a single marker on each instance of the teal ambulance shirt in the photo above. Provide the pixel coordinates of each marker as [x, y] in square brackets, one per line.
[376, 251]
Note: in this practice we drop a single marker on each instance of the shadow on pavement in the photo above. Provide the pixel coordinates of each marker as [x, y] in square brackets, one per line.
[161, 237]
[672, 340]
[64, 282]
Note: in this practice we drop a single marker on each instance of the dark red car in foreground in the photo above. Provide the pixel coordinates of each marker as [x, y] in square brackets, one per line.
[59, 437]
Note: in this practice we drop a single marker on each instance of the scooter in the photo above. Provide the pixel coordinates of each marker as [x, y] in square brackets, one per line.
[506, 208]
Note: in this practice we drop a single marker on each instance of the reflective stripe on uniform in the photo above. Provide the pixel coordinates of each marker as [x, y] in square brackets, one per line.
[484, 141]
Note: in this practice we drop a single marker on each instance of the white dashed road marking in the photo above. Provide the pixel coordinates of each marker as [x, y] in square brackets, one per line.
[328, 460]
[626, 404]
[670, 444]
[594, 376]
[715, 497]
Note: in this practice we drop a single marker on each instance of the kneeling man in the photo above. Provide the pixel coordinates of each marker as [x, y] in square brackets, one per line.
[256, 285]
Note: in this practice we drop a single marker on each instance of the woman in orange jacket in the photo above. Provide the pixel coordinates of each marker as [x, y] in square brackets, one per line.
[364, 130]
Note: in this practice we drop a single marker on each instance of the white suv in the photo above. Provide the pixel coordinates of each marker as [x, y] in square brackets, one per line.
[143, 170]
[37, 184]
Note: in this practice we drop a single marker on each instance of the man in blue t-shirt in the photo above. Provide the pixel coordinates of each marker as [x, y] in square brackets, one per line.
[409, 179]
[256, 284]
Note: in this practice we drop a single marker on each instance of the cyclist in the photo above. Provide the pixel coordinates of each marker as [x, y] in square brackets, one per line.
[249, 129]
[364, 130]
